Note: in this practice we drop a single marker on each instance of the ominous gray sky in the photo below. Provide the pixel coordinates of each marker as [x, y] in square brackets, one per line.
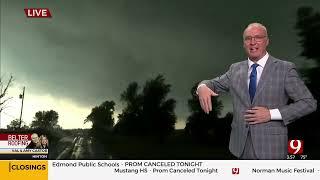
[91, 50]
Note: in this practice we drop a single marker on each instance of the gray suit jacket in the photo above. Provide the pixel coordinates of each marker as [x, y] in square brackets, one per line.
[278, 83]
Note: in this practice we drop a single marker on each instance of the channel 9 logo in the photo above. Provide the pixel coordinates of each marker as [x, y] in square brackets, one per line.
[235, 171]
[295, 147]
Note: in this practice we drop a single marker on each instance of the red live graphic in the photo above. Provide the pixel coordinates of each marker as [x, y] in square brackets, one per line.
[235, 171]
[37, 12]
[295, 146]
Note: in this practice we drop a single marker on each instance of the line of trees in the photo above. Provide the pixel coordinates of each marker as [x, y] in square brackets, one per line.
[146, 113]
[149, 112]
[44, 120]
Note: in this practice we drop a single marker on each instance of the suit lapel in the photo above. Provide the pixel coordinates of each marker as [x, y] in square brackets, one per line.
[267, 70]
[244, 82]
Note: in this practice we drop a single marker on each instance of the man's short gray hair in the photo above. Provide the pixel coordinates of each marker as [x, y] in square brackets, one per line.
[256, 24]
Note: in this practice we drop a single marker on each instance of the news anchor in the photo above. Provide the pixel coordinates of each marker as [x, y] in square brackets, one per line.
[260, 87]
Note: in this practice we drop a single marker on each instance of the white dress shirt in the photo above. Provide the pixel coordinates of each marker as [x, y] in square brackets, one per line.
[275, 113]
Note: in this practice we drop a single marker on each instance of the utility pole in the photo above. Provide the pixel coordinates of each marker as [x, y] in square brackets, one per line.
[21, 96]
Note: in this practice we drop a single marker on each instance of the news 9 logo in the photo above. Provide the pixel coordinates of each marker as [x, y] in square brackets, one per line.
[235, 171]
[295, 146]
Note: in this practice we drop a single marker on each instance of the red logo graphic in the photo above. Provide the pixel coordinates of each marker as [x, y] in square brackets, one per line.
[37, 12]
[235, 171]
[295, 146]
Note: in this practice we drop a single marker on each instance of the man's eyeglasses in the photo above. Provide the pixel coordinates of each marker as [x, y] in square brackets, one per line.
[256, 38]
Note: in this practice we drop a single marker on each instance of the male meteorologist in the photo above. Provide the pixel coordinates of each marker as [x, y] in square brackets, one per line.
[260, 87]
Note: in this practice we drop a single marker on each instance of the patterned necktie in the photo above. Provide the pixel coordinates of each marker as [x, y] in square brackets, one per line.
[253, 81]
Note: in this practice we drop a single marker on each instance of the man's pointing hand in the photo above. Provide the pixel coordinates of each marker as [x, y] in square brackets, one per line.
[205, 94]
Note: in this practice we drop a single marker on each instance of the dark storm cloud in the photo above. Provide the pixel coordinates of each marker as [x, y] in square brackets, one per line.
[91, 50]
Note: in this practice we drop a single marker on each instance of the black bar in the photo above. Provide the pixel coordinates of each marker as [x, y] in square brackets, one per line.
[24, 156]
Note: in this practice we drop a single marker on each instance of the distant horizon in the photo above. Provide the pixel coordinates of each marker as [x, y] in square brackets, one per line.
[46, 100]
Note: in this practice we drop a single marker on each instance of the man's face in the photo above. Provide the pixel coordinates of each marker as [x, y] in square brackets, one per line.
[35, 138]
[255, 42]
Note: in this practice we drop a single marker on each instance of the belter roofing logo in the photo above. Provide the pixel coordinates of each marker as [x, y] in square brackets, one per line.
[37, 12]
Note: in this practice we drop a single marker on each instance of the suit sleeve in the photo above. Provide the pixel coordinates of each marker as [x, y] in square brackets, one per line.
[303, 101]
[219, 84]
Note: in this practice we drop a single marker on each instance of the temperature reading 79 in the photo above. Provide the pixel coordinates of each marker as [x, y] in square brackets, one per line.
[304, 156]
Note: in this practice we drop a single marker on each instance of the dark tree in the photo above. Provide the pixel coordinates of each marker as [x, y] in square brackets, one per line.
[199, 124]
[130, 120]
[45, 120]
[15, 125]
[102, 116]
[158, 111]
[307, 128]
[130, 96]
[308, 26]
[149, 112]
